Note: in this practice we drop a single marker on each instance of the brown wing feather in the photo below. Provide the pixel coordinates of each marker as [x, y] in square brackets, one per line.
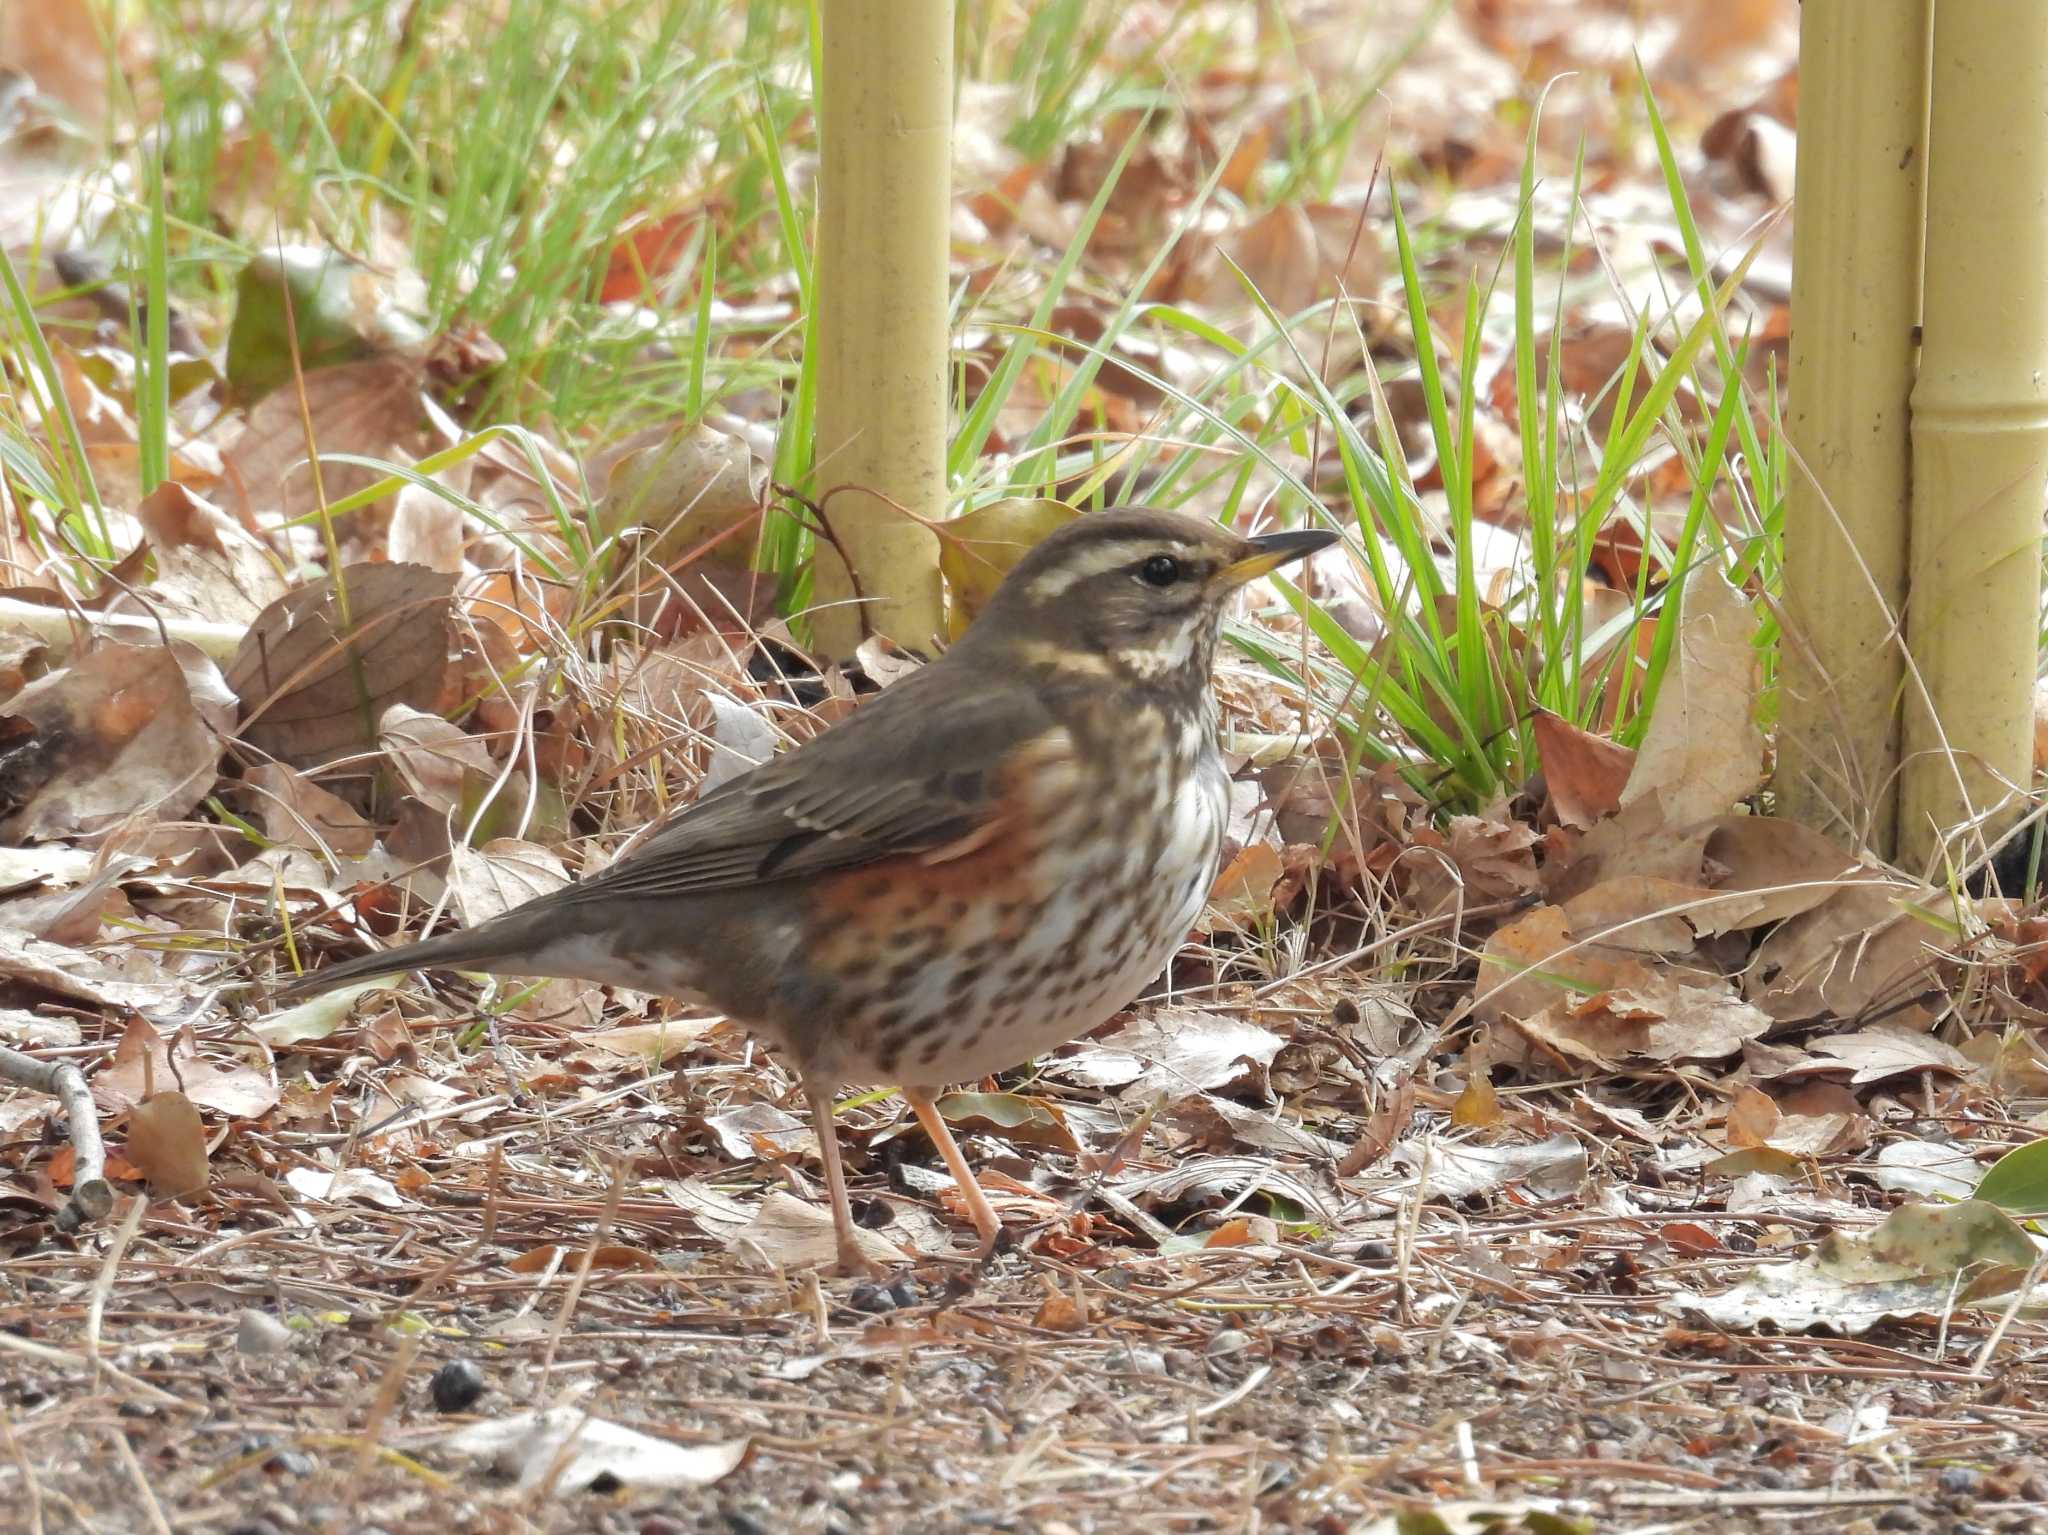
[906, 773]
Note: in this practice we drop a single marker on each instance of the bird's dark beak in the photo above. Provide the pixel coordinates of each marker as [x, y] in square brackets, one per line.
[1272, 550]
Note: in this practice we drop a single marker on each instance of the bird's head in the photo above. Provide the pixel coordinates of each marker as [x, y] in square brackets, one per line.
[1129, 596]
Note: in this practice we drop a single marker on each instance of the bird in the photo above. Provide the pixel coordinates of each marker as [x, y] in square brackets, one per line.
[984, 861]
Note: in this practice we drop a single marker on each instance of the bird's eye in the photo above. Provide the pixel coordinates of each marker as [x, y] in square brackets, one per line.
[1160, 570]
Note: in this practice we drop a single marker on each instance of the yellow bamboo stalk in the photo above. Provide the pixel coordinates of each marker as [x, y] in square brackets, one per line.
[885, 113]
[1980, 423]
[1855, 301]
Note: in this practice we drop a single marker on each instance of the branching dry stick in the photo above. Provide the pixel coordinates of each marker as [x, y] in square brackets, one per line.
[91, 1195]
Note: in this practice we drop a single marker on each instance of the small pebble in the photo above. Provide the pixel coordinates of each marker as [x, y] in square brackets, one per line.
[259, 1334]
[1228, 1341]
[901, 1293]
[661, 1524]
[291, 1463]
[740, 1523]
[456, 1386]
[1898, 1519]
[1957, 1481]
[1147, 1361]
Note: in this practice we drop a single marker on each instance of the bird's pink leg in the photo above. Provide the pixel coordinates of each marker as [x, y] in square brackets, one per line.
[851, 1259]
[983, 1213]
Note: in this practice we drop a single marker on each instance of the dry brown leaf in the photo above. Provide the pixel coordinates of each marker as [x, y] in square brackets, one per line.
[1752, 1116]
[73, 916]
[22, 657]
[1175, 1051]
[313, 688]
[296, 812]
[1657, 916]
[505, 872]
[1693, 1023]
[60, 48]
[1757, 150]
[1640, 841]
[756, 1129]
[980, 547]
[1661, 1018]
[698, 493]
[1478, 1106]
[654, 1043]
[1388, 1124]
[426, 530]
[146, 1063]
[1241, 900]
[167, 1144]
[790, 1234]
[436, 760]
[1584, 773]
[1881, 1051]
[331, 1187]
[1535, 959]
[88, 978]
[1862, 947]
[612, 1256]
[207, 565]
[1495, 856]
[1788, 868]
[370, 408]
[1584, 1035]
[111, 736]
[1821, 1119]
[1702, 752]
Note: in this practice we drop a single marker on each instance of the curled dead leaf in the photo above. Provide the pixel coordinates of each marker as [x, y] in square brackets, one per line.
[978, 548]
[1583, 772]
[296, 812]
[167, 1144]
[1703, 752]
[207, 565]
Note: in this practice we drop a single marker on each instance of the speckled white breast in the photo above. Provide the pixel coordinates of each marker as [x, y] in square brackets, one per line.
[1117, 910]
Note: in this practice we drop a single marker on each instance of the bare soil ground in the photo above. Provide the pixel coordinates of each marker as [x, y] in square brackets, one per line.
[1511, 1357]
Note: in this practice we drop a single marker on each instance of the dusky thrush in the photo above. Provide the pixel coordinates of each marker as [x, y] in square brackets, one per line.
[985, 861]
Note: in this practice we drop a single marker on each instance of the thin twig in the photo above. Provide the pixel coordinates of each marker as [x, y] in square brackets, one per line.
[2019, 1299]
[382, 1403]
[150, 1505]
[582, 1274]
[110, 1268]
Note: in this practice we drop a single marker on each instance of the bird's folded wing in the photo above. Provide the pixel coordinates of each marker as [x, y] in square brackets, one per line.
[906, 773]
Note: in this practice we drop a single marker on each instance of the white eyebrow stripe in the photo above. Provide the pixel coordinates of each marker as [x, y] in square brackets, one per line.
[1100, 561]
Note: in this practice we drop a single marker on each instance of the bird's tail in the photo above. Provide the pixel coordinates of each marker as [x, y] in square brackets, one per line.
[509, 944]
